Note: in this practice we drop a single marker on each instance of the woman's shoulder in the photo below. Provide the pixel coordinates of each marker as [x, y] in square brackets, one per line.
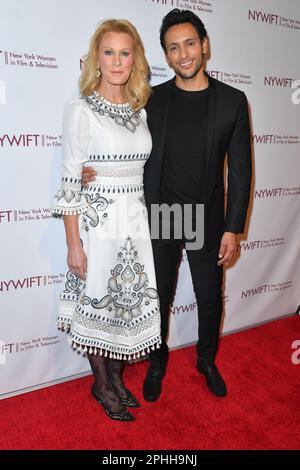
[76, 104]
[142, 112]
[76, 108]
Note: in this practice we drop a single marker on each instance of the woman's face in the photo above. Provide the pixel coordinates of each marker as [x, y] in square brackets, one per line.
[115, 58]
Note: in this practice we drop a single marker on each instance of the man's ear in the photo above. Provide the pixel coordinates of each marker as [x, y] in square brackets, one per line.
[204, 45]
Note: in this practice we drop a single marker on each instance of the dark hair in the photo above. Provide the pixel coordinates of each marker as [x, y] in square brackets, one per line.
[177, 16]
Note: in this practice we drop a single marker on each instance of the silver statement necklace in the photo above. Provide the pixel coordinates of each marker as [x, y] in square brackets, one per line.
[122, 114]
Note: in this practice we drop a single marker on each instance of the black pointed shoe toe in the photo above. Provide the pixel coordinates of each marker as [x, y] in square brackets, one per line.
[121, 415]
[130, 400]
[214, 380]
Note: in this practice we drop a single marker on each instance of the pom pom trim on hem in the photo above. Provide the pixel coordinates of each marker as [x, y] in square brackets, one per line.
[86, 349]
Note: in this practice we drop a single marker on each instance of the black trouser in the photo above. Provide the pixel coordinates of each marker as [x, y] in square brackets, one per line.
[207, 283]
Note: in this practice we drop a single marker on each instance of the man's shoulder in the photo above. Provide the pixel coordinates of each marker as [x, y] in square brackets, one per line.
[158, 92]
[162, 86]
[226, 89]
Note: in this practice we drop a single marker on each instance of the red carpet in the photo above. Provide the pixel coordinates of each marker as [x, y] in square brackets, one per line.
[261, 411]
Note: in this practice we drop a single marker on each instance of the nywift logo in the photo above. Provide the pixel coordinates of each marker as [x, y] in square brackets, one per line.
[274, 81]
[263, 138]
[30, 140]
[30, 282]
[255, 245]
[272, 19]
[275, 139]
[21, 140]
[180, 309]
[261, 17]
[10, 285]
[276, 192]
[266, 289]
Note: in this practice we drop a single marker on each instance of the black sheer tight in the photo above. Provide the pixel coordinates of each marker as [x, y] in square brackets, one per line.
[103, 384]
[115, 370]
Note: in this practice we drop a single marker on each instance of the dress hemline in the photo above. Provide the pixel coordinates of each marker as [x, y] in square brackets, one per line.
[111, 351]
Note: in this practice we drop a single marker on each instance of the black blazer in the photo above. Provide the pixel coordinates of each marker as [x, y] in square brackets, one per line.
[228, 131]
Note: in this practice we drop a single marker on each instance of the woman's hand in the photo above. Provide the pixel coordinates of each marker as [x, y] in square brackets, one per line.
[77, 261]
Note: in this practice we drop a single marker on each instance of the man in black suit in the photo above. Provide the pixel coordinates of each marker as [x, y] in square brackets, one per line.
[195, 121]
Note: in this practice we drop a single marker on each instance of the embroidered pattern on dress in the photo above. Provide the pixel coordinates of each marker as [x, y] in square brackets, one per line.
[117, 188]
[128, 287]
[70, 199]
[123, 115]
[70, 189]
[73, 285]
[117, 157]
[100, 204]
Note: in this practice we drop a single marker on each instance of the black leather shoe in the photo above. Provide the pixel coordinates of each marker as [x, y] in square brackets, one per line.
[214, 380]
[153, 382]
[121, 415]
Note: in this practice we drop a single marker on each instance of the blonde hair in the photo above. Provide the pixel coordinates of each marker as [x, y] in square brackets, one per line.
[137, 88]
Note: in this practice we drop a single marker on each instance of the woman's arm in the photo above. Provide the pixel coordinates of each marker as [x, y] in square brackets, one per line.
[70, 201]
[76, 259]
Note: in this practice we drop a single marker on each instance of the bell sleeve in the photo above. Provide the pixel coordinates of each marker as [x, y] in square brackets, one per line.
[69, 199]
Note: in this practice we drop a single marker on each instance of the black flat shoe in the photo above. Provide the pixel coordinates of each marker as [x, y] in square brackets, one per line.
[122, 415]
[214, 380]
[130, 400]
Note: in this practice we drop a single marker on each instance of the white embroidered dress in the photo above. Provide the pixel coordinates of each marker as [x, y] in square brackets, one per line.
[115, 311]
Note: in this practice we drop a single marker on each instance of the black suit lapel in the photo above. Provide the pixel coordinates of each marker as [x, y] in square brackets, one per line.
[162, 125]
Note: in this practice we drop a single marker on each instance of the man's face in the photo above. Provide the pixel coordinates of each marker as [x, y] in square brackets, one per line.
[184, 50]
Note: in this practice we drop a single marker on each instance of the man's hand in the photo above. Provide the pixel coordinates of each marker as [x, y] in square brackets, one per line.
[227, 248]
[88, 175]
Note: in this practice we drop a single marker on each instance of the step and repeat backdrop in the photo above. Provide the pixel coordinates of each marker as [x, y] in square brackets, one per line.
[254, 47]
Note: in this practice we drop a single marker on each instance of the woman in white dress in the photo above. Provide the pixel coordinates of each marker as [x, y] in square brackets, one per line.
[109, 303]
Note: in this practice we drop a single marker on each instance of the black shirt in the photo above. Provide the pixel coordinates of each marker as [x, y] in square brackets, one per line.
[183, 175]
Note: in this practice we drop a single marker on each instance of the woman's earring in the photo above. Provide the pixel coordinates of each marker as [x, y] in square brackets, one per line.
[98, 73]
